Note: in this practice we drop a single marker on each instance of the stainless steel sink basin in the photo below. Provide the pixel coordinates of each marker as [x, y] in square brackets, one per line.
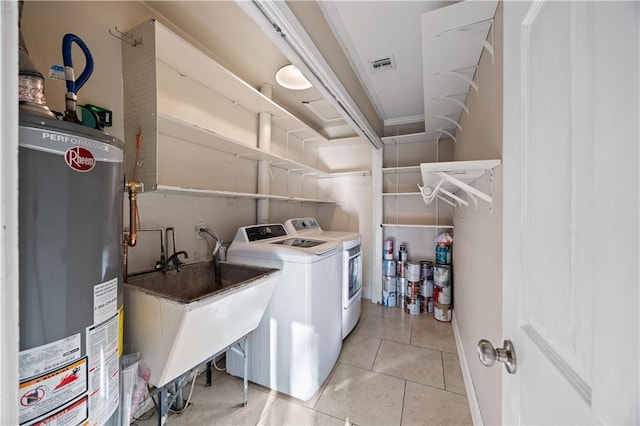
[177, 320]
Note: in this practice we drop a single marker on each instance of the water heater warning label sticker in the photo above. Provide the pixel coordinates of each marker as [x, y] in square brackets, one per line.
[104, 370]
[105, 301]
[45, 358]
[76, 413]
[47, 393]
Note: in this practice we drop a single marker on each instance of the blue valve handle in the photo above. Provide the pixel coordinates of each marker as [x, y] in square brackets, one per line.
[74, 86]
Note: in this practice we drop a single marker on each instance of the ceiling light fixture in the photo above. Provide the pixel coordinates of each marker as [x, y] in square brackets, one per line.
[291, 78]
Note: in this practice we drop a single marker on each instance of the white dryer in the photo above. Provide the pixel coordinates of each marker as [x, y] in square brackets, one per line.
[308, 227]
[299, 339]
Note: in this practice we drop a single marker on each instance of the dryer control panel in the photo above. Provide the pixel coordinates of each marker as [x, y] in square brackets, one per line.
[305, 224]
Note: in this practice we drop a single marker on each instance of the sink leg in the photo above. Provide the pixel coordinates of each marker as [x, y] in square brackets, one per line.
[207, 382]
[245, 384]
[163, 406]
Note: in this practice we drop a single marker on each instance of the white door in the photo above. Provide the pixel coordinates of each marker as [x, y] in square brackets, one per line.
[571, 216]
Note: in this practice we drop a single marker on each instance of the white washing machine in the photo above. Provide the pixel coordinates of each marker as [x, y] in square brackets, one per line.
[299, 339]
[308, 227]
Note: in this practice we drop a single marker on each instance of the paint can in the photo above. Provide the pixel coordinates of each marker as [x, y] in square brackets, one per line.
[401, 287]
[413, 305]
[401, 267]
[426, 270]
[442, 295]
[442, 312]
[412, 271]
[387, 252]
[389, 268]
[426, 304]
[442, 275]
[413, 289]
[426, 288]
[403, 254]
[389, 284]
[443, 254]
[389, 298]
[402, 302]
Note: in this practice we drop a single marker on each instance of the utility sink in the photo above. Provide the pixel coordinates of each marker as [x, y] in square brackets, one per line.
[178, 319]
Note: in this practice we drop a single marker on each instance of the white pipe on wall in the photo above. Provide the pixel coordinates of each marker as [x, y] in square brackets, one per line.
[264, 175]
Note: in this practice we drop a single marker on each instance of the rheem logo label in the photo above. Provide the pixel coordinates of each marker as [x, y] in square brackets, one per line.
[79, 159]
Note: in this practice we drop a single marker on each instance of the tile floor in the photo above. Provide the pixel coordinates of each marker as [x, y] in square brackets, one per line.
[394, 369]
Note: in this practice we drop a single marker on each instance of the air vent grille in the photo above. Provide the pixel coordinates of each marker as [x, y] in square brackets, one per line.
[385, 63]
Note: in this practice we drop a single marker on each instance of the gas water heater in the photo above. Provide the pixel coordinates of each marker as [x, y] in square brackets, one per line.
[70, 254]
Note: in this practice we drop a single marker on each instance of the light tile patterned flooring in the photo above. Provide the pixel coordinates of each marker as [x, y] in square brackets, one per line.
[394, 369]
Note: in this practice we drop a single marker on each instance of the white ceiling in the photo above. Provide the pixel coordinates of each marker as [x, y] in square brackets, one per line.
[369, 30]
[366, 30]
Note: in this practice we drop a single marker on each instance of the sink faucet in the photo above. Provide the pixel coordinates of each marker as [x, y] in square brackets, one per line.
[217, 254]
[173, 262]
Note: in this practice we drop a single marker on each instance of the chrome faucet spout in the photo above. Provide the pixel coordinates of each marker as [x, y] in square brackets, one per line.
[218, 253]
[173, 262]
[219, 248]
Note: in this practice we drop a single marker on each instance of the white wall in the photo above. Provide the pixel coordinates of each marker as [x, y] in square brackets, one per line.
[477, 243]
[44, 25]
[353, 194]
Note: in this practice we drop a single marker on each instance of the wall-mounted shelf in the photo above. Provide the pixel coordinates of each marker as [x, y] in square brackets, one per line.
[453, 39]
[166, 189]
[199, 125]
[397, 225]
[192, 63]
[352, 173]
[403, 169]
[445, 179]
[191, 133]
[407, 138]
[401, 194]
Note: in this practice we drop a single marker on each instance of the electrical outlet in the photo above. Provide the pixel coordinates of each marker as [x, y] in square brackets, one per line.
[198, 234]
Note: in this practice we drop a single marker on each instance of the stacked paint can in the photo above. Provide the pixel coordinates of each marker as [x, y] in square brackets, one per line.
[389, 271]
[401, 287]
[426, 286]
[442, 285]
[412, 298]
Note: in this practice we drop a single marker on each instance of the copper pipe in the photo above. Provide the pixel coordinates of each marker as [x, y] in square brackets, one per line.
[131, 238]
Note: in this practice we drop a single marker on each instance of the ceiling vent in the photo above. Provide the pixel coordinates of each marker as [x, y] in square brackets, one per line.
[385, 63]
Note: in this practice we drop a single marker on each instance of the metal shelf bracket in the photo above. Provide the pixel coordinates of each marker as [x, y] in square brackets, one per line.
[459, 73]
[450, 120]
[452, 98]
[470, 32]
[446, 133]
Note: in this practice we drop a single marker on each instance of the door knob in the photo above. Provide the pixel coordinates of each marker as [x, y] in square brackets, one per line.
[489, 355]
